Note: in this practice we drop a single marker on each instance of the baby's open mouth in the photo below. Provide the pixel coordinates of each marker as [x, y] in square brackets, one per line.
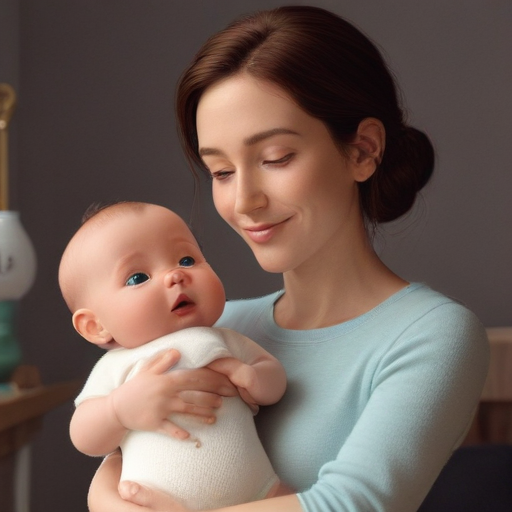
[181, 302]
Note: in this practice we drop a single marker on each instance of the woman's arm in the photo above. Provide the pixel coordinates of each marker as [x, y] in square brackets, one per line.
[156, 501]
[422, 396]
[104, 495]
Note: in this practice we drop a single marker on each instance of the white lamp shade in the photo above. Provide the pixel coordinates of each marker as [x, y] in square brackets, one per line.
[17, 258]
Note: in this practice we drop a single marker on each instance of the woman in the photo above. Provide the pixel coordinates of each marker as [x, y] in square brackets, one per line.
[294, 115]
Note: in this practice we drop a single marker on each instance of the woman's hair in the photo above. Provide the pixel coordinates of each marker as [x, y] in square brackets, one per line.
[335, 74]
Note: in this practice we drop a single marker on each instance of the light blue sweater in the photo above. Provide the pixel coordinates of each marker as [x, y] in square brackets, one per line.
[374, 406]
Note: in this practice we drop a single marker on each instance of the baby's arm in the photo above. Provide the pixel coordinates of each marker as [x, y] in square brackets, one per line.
[142, 403]
[95, 428]
[252, 369]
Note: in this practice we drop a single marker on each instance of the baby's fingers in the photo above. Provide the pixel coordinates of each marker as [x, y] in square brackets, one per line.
[200, 402]
[171, 429]
[162, 362]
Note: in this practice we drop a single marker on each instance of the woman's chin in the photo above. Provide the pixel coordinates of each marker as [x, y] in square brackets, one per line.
[273, 265]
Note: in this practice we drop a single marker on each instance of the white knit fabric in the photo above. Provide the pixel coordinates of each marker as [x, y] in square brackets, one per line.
[222, 464]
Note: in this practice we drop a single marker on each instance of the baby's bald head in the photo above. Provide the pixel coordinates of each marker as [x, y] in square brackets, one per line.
[72, 276]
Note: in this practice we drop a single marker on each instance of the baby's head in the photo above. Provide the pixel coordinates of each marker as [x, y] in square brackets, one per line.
[134, 272]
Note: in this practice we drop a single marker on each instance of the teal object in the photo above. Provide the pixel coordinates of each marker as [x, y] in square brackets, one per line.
[10, 352]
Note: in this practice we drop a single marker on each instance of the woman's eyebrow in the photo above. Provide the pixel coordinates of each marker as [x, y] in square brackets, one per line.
[253, 139]
[258, 137]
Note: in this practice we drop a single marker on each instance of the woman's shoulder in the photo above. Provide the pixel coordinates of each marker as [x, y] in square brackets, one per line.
[432, 334]
[424, 323]
[440, 320]
[418, 301]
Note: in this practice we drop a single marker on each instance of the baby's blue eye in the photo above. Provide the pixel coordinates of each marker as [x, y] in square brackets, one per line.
[136, 279]
[187, 261]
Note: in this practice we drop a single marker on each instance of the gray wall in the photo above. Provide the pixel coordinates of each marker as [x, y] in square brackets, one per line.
[95, 122]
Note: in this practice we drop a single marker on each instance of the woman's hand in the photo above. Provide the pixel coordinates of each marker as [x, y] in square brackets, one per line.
[146, 401]
[150, 499]
[104, 495]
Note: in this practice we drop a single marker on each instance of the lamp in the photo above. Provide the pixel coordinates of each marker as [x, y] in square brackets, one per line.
[17, 255]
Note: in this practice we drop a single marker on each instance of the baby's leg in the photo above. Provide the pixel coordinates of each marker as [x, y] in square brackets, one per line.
[279, 489]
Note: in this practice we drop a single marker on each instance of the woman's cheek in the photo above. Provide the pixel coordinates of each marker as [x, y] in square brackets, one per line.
[223, 203]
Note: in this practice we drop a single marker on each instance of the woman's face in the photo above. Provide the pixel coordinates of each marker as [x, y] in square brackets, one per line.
[279, 180]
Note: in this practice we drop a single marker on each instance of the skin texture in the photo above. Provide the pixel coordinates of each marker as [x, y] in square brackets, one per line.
[293, 198]
[125, 296]
[151, 279]
[127, 293]
[283, 184]
[278, 178]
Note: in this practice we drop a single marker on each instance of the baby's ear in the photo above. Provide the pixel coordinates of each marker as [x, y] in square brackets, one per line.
[87, 324]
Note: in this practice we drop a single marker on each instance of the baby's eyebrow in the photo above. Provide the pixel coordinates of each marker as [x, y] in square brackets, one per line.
[127, 261]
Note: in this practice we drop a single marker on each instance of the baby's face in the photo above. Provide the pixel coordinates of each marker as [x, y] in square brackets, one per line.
[146, 277]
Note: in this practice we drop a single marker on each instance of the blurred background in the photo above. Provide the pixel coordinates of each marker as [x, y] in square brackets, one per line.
[95, 81]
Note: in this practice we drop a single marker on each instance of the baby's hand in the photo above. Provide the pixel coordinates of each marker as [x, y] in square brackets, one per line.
[146, 401]
[242, 375]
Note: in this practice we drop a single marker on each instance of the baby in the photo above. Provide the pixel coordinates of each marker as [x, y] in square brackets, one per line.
[136, 281]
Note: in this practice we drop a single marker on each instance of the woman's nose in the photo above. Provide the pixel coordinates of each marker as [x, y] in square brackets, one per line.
[175, 276]
[250, 194]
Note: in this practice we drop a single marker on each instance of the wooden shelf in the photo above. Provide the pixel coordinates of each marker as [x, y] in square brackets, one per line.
[493, 420]
[21, 417]
[21, 414]
[498, 387]
[35, 402]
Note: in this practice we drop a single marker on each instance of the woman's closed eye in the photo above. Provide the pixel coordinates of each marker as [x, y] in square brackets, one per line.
[226, 173]
[187, 261]
[279, 161]
[221, 175]
[137, 278]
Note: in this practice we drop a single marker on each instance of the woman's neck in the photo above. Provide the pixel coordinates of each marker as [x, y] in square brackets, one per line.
[345, 285]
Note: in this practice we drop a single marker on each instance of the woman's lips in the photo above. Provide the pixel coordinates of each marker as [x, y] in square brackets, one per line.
[263, 233]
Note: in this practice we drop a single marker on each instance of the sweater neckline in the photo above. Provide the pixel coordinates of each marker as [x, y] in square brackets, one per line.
[324, 333]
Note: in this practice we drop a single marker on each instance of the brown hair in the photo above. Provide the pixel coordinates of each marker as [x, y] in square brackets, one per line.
[335, 74]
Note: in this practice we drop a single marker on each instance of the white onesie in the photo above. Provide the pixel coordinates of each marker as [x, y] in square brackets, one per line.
[222, 464]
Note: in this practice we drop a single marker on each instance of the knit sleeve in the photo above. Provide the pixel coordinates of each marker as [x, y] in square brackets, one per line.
[423, 395]
[104, 378]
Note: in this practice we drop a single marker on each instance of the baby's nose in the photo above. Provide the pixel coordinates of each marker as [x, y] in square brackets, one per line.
[174, 277]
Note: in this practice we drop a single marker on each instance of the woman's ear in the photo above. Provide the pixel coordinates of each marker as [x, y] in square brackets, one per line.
[368, 148]
[87, 324]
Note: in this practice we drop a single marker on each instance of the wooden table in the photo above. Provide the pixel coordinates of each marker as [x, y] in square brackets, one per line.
[493, 421]
[21, 416]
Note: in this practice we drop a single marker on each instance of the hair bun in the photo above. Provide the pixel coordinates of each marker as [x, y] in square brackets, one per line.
[421, 154]
[406, 167]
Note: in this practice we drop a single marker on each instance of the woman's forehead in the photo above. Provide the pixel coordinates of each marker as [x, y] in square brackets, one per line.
[247, 105]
